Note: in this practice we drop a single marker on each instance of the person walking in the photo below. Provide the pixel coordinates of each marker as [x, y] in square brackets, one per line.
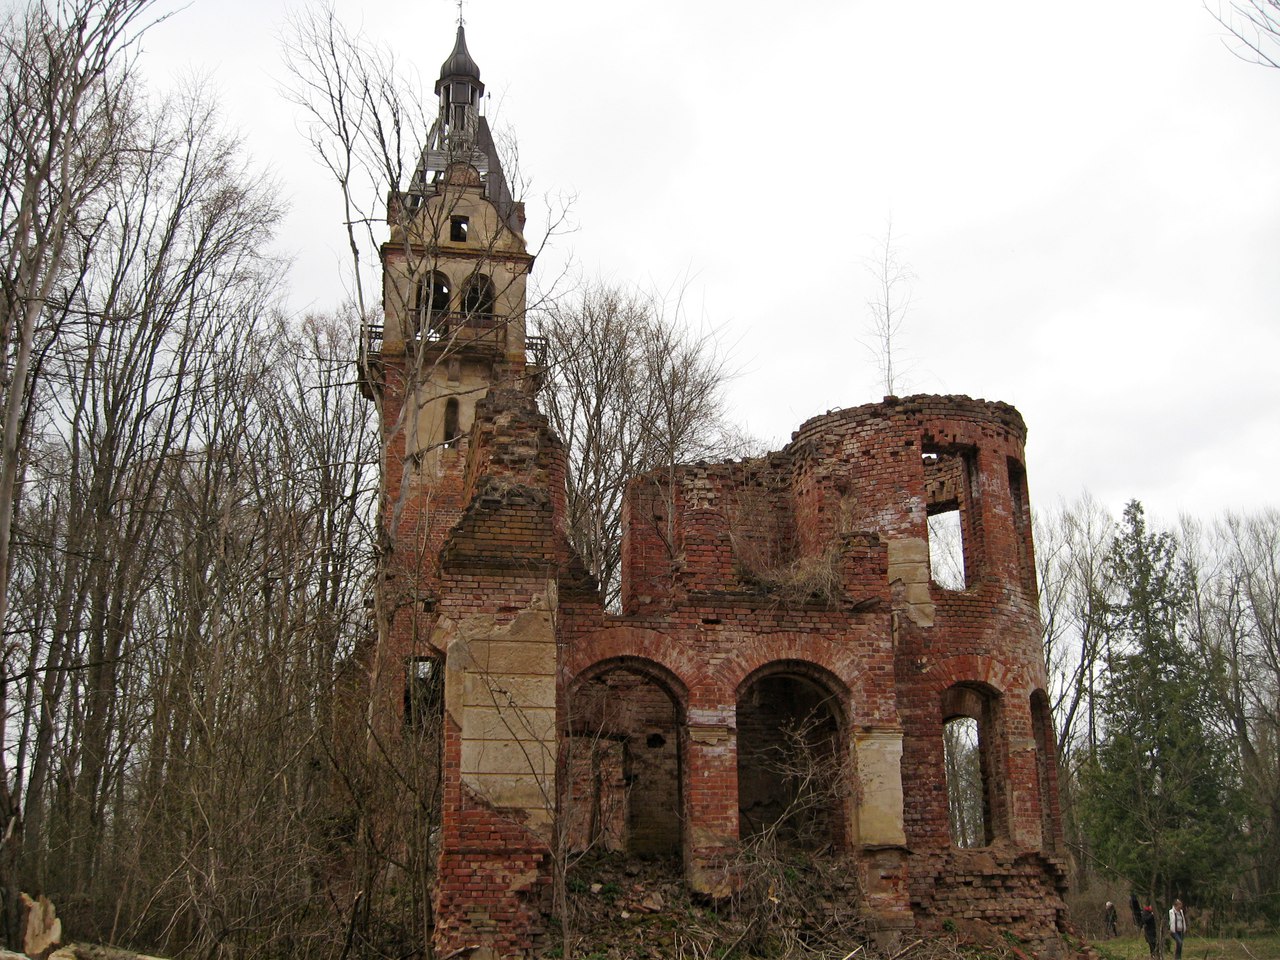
[1177, 927]
[1109, 918]
[1149, 929]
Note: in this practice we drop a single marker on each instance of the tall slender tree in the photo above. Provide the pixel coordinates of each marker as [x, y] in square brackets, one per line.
[1161, 801]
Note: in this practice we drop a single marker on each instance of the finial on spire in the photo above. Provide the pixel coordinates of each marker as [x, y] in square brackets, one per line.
[459, 65]
[461, 22]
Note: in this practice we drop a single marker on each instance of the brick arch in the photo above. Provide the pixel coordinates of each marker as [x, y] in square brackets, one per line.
[650, 669]
[791, 715]
[812, 653]
[1003, 679]
[621, 753]
[966, 698]
[648, 651]
[1004, 690]
[809, 670]
[982, 705]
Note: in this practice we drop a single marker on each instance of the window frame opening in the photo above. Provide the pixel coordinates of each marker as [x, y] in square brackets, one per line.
[952, 524]
[974, 765]
[431, 302]
[946, 549]
[423, 698]
[1021, 508]
[967, 813]
[477, 297]
[1046, 768]
[451, 435]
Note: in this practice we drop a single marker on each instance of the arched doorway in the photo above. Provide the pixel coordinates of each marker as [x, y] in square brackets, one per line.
[793, 780]
[623, 764]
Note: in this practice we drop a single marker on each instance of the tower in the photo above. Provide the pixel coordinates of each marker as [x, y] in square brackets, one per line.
[454, 274]
[465, 653]
[454, 278]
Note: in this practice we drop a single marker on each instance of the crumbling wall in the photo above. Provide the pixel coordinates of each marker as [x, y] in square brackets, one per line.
[707, 549]
[495, 621]
[753, 593]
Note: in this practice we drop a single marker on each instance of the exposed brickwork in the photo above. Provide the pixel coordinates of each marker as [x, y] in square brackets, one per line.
[756, 596]
[787, 592]
[492, 880]
[796, 572]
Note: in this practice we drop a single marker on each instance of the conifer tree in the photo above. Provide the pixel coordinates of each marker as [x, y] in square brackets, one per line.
[1161, 805]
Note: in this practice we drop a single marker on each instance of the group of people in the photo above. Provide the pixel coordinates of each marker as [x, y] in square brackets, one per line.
[1145, 919]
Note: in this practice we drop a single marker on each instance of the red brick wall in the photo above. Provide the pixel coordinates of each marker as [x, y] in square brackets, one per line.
[717, 569]
[493, 878]
[848, 483]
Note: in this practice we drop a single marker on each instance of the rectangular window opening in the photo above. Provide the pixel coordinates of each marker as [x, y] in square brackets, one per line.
[949, 492]
[966, 789]
[458, 229]
[946, 550]
[1022, 523]
[423, 694]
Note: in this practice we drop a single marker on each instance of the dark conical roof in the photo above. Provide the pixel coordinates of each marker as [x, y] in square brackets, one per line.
[459, 63]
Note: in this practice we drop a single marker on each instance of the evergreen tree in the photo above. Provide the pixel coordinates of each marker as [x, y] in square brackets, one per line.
[1161, 804]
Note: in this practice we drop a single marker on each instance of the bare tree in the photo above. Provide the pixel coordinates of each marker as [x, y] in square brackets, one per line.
[1072, 541]
[1235, 623]
[887, 310]
[142, 413]
[962, 761]
[65, 103]
[1071, 546]
[629, 392]
[1254, 26]
[365, 119]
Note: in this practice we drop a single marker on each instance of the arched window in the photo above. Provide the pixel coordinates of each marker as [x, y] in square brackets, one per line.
[431, 302]
[972, 760]
[477, 296]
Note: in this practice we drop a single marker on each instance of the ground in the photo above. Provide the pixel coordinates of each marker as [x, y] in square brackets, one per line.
[1253, 947]
[790, 907]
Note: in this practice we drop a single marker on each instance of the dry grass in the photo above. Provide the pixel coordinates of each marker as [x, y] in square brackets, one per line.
[803, 580]
[1197, 948]
[789, 909]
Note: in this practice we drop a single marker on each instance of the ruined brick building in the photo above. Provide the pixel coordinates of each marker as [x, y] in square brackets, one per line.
[781, 597]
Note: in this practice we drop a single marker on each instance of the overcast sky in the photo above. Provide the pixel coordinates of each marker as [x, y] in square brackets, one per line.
[1087, 193]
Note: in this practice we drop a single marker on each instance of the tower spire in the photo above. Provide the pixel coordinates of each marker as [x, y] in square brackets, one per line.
[461, 133]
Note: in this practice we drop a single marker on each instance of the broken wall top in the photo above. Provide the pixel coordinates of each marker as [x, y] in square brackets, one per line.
[859, 476]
